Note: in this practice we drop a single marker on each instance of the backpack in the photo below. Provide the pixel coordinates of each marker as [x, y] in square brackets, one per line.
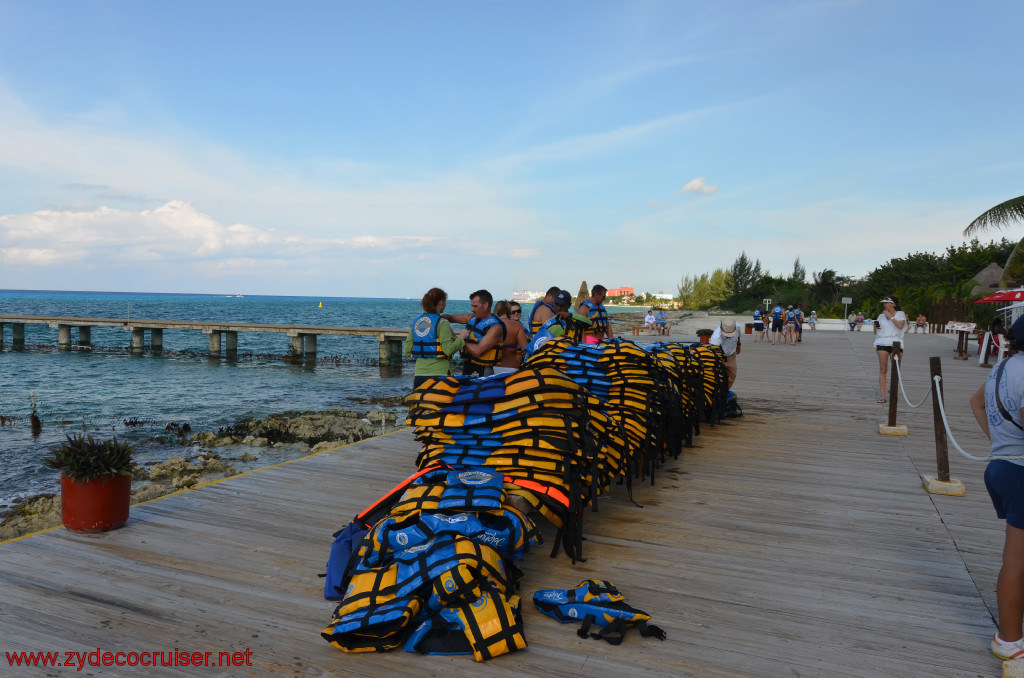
[732, 406]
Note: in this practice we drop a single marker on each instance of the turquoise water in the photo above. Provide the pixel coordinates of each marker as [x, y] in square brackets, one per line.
[101, 389]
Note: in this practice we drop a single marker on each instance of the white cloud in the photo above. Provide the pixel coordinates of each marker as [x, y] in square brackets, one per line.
[698, 185]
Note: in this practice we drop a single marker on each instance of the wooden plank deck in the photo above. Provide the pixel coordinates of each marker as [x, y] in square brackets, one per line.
[795, 541]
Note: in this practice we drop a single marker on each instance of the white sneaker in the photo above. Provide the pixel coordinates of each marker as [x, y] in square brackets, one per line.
[1005, 650]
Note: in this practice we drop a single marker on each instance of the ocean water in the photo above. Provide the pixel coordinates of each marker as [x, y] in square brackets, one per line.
[110, 391]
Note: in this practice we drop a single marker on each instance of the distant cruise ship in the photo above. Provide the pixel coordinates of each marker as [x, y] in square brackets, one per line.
[523, 296]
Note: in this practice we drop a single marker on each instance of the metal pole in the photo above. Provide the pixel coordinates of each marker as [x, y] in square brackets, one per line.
[893, 383]
[941, 451]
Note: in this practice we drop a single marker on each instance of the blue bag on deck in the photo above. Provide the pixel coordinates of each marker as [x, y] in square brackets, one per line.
[345, 542]
[732, 406]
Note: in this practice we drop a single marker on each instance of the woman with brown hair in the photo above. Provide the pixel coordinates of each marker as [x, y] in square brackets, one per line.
[515, 337]
[431, 340]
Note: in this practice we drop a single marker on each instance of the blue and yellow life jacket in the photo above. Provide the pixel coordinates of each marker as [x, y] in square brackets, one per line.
[543, 334]
[790, 317]
[487, 626]
[595, 602]
[379, 603]
[532, 325]
[477, 329]
[425, 343]
[598, 317]
[757, 315]
[777, 313]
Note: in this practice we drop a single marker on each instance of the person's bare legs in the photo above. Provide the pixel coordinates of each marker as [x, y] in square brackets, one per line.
[883, 369]
[1010, 585]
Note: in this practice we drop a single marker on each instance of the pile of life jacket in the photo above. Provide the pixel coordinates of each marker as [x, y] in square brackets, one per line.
[433, 566]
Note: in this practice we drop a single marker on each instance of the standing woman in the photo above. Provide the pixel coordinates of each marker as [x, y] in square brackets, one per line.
[997, 407]
[515, 337]
[889, 327]
[431, 340]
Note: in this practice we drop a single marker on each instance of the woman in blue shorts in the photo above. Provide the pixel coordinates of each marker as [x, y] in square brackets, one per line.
[998, 405]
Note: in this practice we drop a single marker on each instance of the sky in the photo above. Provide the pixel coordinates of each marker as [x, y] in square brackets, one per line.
[380, 149]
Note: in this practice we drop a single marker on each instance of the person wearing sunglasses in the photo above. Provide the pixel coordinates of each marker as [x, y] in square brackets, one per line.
[515, 337]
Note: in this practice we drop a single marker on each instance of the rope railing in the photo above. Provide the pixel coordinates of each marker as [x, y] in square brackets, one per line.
[937, 379]
[899, 375]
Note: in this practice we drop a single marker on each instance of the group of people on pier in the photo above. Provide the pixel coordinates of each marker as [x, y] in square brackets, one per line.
[787, 324]
[495, 338]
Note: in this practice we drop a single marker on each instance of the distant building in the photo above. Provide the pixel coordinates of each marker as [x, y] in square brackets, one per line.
[662, 295]
[621, 292]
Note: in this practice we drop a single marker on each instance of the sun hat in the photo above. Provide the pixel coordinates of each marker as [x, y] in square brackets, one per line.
[729, 328]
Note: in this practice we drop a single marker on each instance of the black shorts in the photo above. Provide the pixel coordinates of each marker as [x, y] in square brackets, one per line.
[776, 324]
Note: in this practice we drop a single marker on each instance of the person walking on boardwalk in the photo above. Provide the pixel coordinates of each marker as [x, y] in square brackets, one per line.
[431, 340]
[997, 407]
[484, 335]
[593, 308]
[727, 336]
[889, 327]
[515, 338]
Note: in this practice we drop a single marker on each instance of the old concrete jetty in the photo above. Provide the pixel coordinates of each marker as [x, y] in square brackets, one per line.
[303, 336]
[795, 541]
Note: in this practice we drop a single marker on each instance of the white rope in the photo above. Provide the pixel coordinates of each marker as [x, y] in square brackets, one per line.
[899, 375]
[949, 434]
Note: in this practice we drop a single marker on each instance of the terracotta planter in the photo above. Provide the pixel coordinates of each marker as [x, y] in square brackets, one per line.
[97, 505]
[704, 338]
[748, 329]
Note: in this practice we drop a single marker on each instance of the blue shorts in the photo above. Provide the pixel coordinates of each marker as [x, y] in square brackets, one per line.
[1005, 483]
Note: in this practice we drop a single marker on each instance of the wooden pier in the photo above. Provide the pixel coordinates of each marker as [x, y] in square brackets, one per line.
[795, 541]
[303, 336]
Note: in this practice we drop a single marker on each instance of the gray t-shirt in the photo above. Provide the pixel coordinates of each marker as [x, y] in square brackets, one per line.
[1007, 439]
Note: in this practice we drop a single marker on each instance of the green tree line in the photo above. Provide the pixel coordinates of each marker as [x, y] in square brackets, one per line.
[917, 279]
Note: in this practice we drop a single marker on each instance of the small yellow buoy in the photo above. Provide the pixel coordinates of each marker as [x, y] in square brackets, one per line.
[321, 305]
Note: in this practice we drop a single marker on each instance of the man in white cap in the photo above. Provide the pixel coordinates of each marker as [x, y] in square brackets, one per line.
[727, 335]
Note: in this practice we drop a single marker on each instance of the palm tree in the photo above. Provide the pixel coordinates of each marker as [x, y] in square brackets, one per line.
[1003, 214]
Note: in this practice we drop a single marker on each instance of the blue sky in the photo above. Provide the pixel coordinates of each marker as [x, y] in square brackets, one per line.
[379, 149]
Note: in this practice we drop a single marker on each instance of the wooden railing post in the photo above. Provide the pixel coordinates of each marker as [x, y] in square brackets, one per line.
[894, 387]
[941, 450]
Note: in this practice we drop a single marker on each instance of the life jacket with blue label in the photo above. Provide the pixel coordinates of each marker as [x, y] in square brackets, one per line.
[790, 317]
[799, 316]
[477, 328]
[543, 335]
[425, 343]
[595, 602]
[757, 315]
[532, 325]
[380, 603]
[777, 313]
[486, 626]
[598, 317]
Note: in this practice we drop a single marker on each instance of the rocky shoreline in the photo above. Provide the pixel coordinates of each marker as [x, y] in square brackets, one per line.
[246, 445]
